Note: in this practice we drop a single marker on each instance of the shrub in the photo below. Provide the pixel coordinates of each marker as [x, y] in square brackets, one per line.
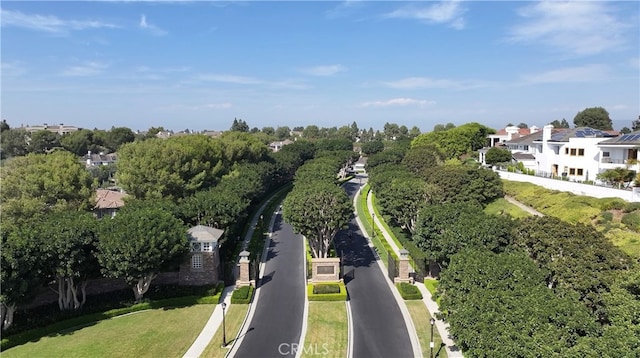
[606, 217]
[242, 295]
[340, 296]
[409, 291]
[630, 207]
[632, 220]
[325, 288]
[614, 203]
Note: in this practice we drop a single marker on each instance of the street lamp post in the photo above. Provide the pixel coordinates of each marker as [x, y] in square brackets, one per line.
[224, 329]
[373, 223]
[432, 321]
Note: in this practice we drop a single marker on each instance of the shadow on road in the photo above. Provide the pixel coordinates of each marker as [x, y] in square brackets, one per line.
[266, 278]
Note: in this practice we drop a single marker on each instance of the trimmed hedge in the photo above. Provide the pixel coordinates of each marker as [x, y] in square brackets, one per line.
[242, 295]
[409, 291]
[341, 296]
[326, 288]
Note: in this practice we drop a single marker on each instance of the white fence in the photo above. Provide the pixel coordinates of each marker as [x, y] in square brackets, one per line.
[573, 187]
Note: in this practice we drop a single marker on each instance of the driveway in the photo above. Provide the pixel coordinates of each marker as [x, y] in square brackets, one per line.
[277, 321]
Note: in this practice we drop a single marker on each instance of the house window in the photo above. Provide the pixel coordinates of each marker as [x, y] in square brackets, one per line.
[605, 154]
[573, 151]
[206, 247]
[196, 247]
[572, 171]
[579, 171]
[581, 152]
[526, 147]
[566, 150]
[196, 261]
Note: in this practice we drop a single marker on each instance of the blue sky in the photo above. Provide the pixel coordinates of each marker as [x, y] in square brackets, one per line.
[199, 65]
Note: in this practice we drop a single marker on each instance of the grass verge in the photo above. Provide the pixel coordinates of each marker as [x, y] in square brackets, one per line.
[233, 321]
[327, 330]
[167, 332]
[420, 317]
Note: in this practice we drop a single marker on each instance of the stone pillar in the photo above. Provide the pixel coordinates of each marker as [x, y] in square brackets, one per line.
[243, 265]
[403, 268]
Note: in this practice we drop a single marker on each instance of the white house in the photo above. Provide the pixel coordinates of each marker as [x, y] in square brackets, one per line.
[574, 153]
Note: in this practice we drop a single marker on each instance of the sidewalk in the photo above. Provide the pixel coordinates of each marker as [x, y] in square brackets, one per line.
[443, 328]
[211, 327]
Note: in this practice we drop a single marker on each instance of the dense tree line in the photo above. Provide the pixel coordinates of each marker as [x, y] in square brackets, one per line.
[50, 238]
[518, 288]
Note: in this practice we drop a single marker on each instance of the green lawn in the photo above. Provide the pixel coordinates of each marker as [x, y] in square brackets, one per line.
[233, 320]
[327, 330]
[152, 333]
[420, 317]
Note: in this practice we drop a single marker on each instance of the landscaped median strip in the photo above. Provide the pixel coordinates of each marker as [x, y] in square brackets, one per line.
[327, 330]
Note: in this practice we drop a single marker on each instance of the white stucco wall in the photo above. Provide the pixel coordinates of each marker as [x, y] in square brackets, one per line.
[575, 188]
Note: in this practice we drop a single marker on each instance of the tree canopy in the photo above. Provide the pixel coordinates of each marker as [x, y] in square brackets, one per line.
[38, 183]
[594, 117]
[456, 141]
[138, 243]
[497, 155]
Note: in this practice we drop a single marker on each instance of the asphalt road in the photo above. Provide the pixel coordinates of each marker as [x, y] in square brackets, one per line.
[378, 325]
[277, 321]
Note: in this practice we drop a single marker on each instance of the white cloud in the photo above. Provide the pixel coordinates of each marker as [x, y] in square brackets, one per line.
[587, 73]
[422, 82]
[445, 12]
[153, 29]
[225, 78]
[327, 70]
[397, 102]
[580, 27]
[87, 69]
[49, 23]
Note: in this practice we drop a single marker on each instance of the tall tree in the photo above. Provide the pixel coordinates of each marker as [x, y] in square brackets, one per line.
[497, 155]
[78, 142]
[68, 242]
[21, 276]
[318, 210]
[239, 125]
[594, 117]
[13, 143]
[176, 167]
[118, 136]
[139, 243]
[282, 132]
[372, 147]
[43, 141]
[38, 183]
[635, 125]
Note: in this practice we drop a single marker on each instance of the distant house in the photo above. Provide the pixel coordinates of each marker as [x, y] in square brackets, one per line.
[108, 202]
[510, 133]
[202, 267]
[92, 159]
[276, 146]
[60, 129]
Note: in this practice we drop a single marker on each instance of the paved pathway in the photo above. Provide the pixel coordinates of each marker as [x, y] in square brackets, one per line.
[211, 327]
[526, 208]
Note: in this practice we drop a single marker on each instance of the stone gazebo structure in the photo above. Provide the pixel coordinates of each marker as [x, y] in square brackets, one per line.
[202, 267]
